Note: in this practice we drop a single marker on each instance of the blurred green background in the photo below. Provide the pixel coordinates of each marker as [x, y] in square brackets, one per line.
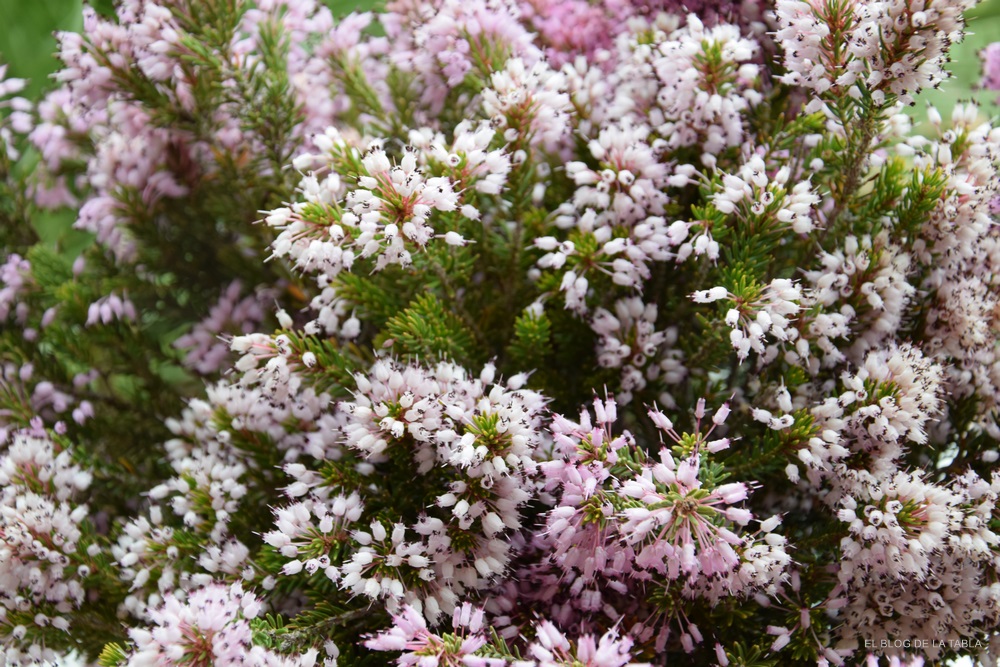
[27, 44]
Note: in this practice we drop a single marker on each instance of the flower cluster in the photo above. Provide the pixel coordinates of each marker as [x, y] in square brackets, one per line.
[465, 647]
[624, 517]
[706, 80]
[754, 317]
[206, 353]
[14, 275]
[390, 216]
[41, 564]
[831, 45]
[909, 530]
[629, 341]
[210, 626]
[19, 120]
[473, 451]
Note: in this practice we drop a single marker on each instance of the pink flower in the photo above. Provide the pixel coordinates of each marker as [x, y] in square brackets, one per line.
[990, 57]
[683, 528]
[552, 648]
[422, 647]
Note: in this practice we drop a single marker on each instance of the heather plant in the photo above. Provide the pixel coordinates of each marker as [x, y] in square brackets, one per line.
[501, 333]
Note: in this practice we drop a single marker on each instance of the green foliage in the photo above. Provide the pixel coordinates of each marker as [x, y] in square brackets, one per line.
[269, 109]
[764, 455]
[532, 342]
[16, 231]
[29, 49]
[376, 300]
[112, 656]
[330, 621]
[742, 655]
[427, 330]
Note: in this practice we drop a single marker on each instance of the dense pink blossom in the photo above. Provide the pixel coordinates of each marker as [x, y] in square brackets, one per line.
[569, 333]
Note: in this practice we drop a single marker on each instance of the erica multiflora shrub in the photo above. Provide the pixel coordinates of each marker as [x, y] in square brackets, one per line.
[498, 333]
